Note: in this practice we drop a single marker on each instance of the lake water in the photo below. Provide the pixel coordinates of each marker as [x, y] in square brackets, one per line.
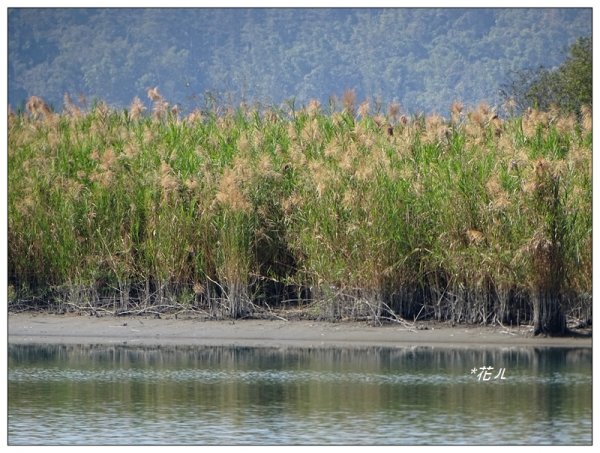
[112, 395]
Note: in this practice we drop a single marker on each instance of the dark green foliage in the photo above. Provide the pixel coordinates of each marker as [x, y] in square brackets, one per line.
[568, 87]
[423, 58]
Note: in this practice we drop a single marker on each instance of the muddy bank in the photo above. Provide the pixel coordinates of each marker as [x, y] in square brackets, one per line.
[82, 329]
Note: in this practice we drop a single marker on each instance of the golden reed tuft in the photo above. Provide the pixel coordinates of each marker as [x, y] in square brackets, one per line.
[161, 107]
[154, 95]
[475, 237]
[348, 101]
[136, 109]
[456, 111]
[393, 112]
[168, 180]
[363, 109]
[586, 118]
[314, 107]
[37, 107]
[230, 194]
[69, 106]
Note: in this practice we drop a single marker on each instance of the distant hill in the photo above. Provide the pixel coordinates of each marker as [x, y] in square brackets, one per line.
[422, 58]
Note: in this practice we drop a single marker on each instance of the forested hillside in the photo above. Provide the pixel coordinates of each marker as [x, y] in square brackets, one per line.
[422, 58]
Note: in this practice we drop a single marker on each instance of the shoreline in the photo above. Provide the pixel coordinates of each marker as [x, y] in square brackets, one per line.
[34, 328]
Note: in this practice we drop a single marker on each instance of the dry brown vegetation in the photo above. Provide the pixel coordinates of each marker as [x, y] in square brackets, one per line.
[238, 212]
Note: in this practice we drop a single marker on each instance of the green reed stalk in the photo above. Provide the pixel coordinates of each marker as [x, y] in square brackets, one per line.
[462, 220]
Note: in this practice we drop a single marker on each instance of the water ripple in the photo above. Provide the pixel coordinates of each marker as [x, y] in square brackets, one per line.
[210, 376]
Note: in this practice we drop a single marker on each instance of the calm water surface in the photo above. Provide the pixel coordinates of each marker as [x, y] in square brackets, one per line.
[109, 395]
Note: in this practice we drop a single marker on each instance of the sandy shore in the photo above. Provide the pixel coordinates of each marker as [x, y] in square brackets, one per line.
[75, 329]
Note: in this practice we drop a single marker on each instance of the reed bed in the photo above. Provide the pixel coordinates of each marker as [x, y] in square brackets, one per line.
[338, 214]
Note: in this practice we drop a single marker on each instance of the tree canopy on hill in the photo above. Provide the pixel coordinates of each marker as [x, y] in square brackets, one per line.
[423, 59]
[567, 87]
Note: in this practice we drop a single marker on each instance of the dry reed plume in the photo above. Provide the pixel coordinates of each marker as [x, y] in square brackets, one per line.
[37, 107]
[352, 214]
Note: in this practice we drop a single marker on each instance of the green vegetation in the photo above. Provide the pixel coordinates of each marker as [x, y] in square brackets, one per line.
[568, 87]
[345, 214]
[423, 58]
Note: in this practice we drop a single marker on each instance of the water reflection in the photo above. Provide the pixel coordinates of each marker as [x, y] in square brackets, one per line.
[63, 394]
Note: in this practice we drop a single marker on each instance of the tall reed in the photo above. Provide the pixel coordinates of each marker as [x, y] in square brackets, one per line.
[233, 212]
